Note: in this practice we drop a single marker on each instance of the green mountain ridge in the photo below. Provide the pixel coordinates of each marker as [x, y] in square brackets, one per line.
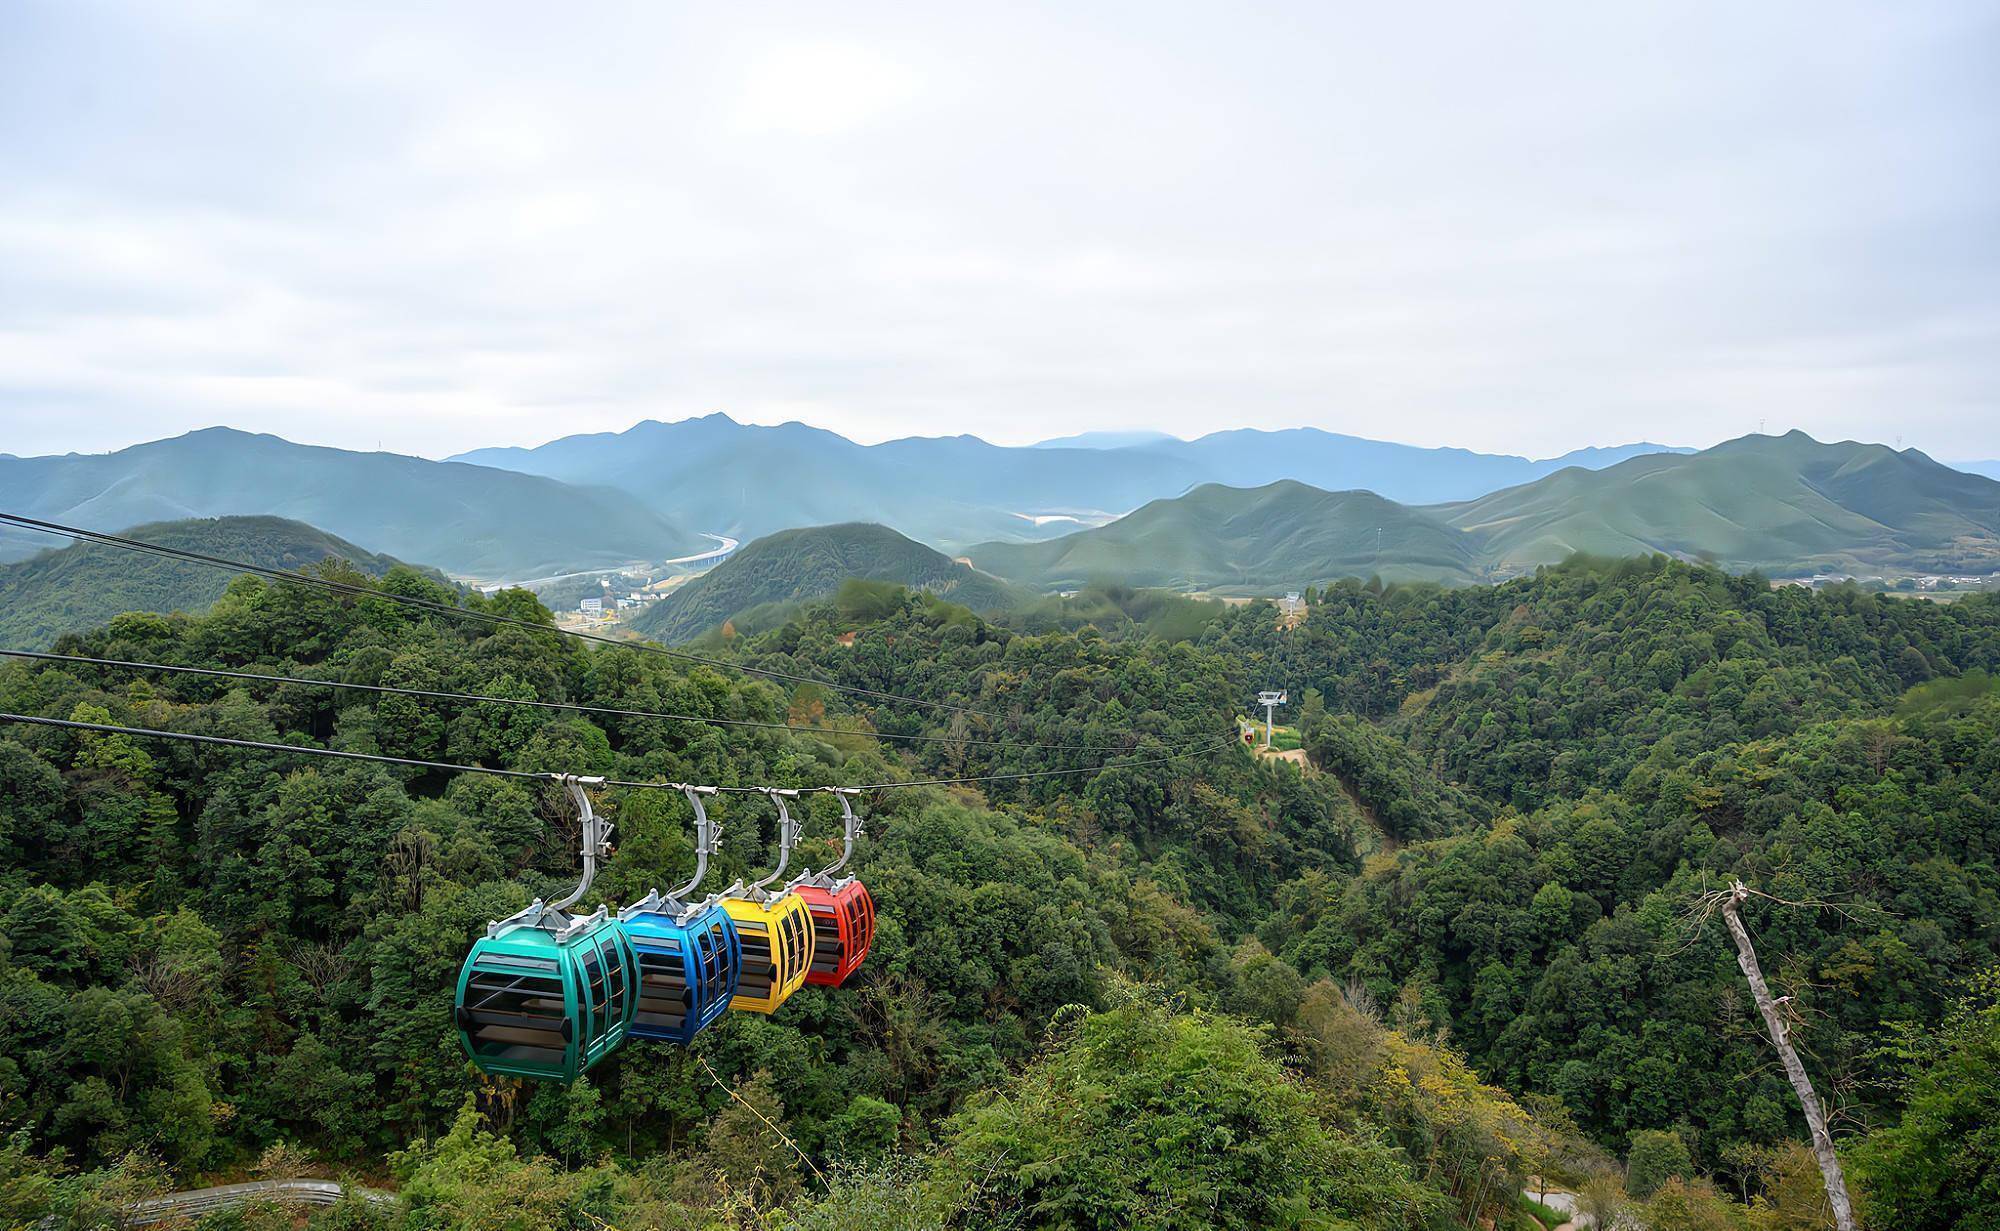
[1787, 505]
[1229, 539]
[1790, 505]
[468, 520]
[810, 563]
[86, 584]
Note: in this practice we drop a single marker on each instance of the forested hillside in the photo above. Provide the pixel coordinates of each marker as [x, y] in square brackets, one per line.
[84, 584]
[1235, 541]
[1187, 991]
[1788, 504]
[813, 563]
[469, 520]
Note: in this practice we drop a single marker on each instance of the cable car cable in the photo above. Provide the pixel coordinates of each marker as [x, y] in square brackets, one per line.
[380, 758]
[176, 553]
[267, 746]
[391, 690]
[340, 587]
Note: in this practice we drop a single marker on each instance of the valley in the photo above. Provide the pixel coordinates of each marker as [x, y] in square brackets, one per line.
[1790, 507]
[1448, 904]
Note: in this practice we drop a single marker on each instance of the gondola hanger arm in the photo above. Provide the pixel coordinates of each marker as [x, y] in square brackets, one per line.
[850, 828]
[788, 831]
[596, 840]
[707, 835]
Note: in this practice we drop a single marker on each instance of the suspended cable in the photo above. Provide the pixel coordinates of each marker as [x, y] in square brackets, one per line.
[105, 728]
[575, 707]
[267, 746]
[490, 617]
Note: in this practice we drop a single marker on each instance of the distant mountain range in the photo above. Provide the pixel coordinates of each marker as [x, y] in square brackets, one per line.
[85, 584]
[713, 473]
[810, 563]
[468, 520]
[742, 480]
[1238, 510]
[1787, 504]
[1247, 457]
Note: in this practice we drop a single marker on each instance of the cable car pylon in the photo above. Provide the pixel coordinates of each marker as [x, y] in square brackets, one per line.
[1270, 700]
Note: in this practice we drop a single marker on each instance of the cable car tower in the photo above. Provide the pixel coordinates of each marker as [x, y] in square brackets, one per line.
[1270, 701]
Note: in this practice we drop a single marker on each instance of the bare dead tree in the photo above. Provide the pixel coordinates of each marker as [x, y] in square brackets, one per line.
[323, 966]
[1728, 902]
[171, 982]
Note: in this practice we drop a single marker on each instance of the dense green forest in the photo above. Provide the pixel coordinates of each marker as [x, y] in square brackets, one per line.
[1205, 991]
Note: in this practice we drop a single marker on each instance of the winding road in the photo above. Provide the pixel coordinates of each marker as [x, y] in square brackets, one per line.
[724, 545]
[197, 1202]
[1563, 1202]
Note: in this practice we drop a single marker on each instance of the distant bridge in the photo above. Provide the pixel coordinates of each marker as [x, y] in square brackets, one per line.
[724, 545]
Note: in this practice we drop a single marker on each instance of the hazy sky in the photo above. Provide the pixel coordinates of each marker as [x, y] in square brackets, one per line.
[1519, 228]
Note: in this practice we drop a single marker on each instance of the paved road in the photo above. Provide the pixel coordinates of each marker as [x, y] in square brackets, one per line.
[1562, 1201]
[196, 1202]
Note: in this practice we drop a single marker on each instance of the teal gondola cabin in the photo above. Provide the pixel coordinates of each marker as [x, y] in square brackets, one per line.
[546, 1001]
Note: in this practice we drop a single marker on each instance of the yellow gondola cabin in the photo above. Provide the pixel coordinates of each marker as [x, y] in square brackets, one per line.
[775, 927]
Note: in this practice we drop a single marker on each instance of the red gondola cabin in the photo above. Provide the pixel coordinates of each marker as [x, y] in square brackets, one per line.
[843, 915]
[843, 919]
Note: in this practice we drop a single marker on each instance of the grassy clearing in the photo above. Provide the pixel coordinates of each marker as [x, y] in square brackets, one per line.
[1284, 739]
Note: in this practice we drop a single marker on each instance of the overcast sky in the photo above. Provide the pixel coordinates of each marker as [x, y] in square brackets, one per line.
[1517, 228]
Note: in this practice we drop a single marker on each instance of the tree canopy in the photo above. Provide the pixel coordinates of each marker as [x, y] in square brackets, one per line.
[1189, 987]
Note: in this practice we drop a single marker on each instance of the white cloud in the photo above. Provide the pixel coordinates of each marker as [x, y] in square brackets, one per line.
[1511, 232]
[821, 89]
